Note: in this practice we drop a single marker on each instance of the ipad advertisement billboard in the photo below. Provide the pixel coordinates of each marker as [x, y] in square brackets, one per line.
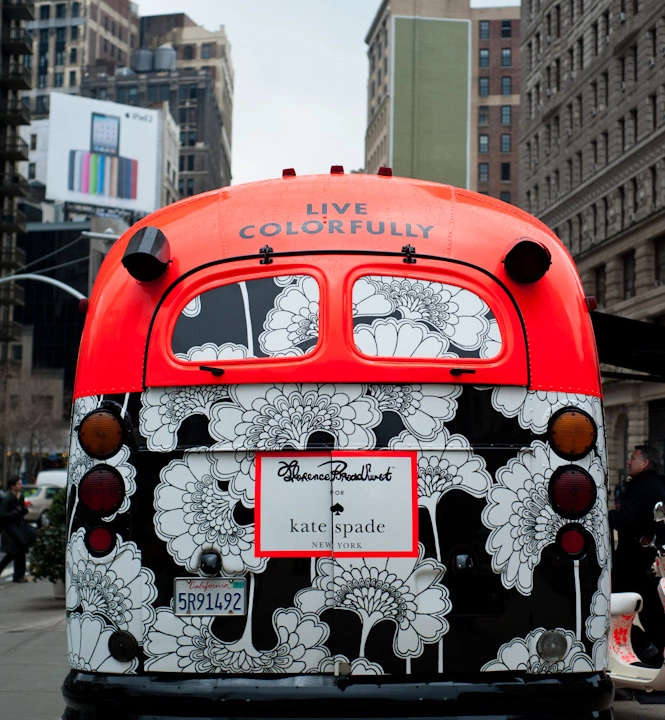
[104, 154]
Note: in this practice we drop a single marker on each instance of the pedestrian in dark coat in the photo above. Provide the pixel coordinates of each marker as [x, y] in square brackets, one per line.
[15, 531]
[632, 561]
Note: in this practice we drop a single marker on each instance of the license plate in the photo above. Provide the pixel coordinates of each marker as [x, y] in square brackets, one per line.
[209, 596]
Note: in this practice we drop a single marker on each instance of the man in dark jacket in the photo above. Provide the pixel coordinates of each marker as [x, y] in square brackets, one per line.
[15, 533]
[632, 561]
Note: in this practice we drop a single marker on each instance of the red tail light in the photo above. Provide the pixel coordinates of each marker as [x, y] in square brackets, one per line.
[572, 492]
[27, 503]
[102, 490]
[572, 540]
[100, 540]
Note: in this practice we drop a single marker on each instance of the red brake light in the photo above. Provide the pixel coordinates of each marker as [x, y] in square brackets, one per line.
[100, 540]
[102, 490]
[27, 503]
[572, 540]
[572, 492]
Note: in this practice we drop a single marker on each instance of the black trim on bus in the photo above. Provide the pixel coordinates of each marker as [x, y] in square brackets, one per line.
[494, 695]
[364, 253]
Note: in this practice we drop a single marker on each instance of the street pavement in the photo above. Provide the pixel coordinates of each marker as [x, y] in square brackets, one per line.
[33, 656]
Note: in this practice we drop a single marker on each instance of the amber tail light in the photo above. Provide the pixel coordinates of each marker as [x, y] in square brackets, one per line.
[572, 433]
[101, 434]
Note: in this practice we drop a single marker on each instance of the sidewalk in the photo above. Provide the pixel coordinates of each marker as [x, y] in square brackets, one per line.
[33, 650]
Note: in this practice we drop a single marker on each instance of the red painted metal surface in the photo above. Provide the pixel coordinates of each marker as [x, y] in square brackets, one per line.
[126, 339]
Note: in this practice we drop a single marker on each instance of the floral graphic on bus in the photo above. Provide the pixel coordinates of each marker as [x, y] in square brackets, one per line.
[404, 590]
[277, 416]
[598, 623]
[422, 319]
[187, 644]
[522, 654]
[195, 515]
[88, 643]
[444, 463]
[521, 517]
[164, 409]
[294, 320]
[116, 587]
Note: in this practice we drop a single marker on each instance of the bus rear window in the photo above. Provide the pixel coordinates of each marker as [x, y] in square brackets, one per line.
[266, 317]
[410, 317]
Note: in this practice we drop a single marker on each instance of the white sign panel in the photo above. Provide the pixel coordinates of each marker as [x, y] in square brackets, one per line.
[103, 153]
[337, 503]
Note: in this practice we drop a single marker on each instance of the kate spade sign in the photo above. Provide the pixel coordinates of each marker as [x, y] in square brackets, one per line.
[315, 504]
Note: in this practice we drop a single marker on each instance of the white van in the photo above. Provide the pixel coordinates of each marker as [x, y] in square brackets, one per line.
[57, 478]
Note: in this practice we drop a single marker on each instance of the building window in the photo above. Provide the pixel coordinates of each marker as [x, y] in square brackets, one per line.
[506, 114]
[205, 51]
[484, 29]
[483, 144]
[121, 95]
[44, 12]
[164, 92]
[504, 196]
[41, 81]
[659, 258]
[483, 86]
[190, 163]
[629, 274]
[506, 30]
[505, 143]
[599, 284]
[484, 59]
[33, 141]
[483, 114]
[506, 85]
[483, 172]
[188, 52]
[72, 55]
[60, 10]
[190, 186]
[41, 104]
[74, 32]
[506, 57]
[181, 165]
[32, 172]
[133, 95]
[505, 172]
[76, 9]
[152, 93]
[72, 78]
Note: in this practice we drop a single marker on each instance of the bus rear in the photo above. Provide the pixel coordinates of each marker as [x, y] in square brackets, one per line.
[338, 450]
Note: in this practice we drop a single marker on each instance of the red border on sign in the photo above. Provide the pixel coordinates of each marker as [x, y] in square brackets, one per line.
[413, 552]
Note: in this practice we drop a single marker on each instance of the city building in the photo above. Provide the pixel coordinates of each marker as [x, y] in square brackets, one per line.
[15, 49]
[198, 49]
[593, 169]
[443, 94]
[74, 37]
[191, 99]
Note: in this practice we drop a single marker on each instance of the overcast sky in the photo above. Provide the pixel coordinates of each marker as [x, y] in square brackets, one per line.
[300, 79]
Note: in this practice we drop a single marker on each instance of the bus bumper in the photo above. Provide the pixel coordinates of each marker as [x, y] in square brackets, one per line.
[93, 696]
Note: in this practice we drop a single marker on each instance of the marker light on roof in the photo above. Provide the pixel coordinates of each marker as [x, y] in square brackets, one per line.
[527, 261]
[147, 255]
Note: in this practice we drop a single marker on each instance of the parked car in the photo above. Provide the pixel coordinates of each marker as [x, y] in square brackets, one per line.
[38, 500]
[56, 477]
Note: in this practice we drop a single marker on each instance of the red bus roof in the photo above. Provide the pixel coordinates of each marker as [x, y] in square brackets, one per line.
[330, 226]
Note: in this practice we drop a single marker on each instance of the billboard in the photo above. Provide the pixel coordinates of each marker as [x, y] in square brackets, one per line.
[104, 154]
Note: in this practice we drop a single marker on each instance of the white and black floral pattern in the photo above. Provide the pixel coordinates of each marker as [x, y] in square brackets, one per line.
[194, 515]
[116, 587]
[422, 319]
[522, 520]
[88, 645]
[187, 644]
[163, 411]
[598, 622]
[405, 591]
[521, 654]
[274, 417]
